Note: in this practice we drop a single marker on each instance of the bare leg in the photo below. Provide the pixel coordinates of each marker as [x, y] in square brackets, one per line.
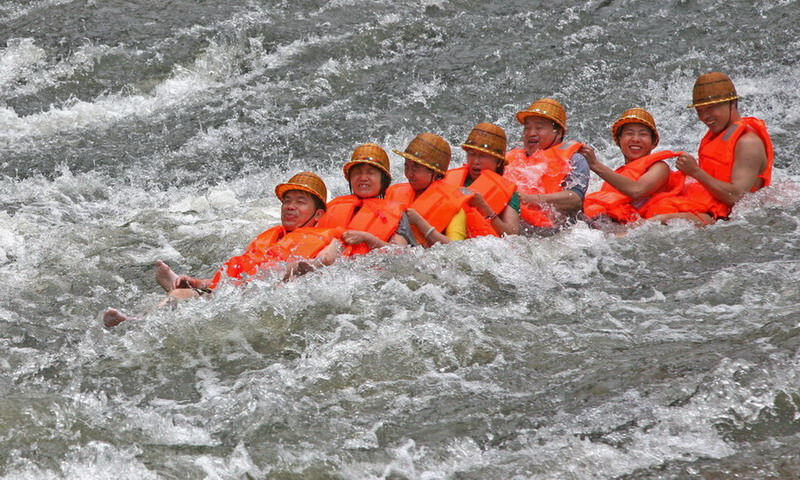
[178, 295]
[164, 275]
[113, 317]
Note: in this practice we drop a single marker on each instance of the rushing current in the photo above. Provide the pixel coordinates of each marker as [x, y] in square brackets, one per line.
[132, 131]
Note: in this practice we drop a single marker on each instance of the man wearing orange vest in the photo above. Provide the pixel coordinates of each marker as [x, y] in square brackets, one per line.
[644, 178]
[552, 176]
[287, 246]
[735, 156]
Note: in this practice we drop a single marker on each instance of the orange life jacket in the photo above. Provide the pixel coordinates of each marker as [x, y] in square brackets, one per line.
[496, 190]
[610, 201]
[438, 204]
[274, 246]
[377, 216]
[544, 171]
[716, 157]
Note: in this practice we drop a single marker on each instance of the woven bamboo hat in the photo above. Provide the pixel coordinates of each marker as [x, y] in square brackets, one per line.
[371, 154]
[487, 138]
[546, 108]
[429, 150]
[635, 115]
[305, 181]
[710, 88]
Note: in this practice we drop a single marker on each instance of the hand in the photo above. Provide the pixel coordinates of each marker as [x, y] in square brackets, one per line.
[415, 218]
[687, 164]
[183, 281]
[354, 237]
[591, 156]
[479, 203]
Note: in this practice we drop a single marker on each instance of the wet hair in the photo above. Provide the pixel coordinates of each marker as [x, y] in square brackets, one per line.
[385, 182]
[501, 167]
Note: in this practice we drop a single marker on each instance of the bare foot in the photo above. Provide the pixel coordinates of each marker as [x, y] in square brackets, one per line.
[164, 275]
[113, 317]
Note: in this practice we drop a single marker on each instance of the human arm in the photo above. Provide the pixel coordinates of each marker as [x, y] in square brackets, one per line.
[354, 237]
[504, 223]
[430, 235]
[653, 179]
[750, 159]
[565, 200]
[324, 258]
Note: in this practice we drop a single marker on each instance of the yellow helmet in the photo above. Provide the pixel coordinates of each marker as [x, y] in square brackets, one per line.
[635, 115]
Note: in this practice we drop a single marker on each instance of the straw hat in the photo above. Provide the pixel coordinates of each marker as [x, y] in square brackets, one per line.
[487, 138]
[545, 108]
[371, 154]
[305, 181]
[634, 115]
[429, 150]
[714, 87]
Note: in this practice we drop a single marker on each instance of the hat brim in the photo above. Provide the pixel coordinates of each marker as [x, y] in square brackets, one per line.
[349, 165]
[420, 161]
[467, 146]
[711, 102]
[282, 188]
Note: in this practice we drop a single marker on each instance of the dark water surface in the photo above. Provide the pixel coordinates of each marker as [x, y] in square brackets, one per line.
[132, 131]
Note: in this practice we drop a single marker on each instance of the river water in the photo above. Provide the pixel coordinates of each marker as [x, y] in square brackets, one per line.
[132, 131]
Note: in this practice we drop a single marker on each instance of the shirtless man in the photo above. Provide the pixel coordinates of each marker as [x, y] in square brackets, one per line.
[735, 156]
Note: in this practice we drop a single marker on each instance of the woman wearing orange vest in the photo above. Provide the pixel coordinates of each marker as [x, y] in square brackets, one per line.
[552, 176]
[286, 246]
[628, 191]
[494, 210]
[370, 220]
[735, 156]
[434, 207]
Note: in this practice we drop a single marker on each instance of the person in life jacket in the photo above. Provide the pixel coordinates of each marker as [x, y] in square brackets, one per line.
[552, 176]
[631, 189]
[289, 246]
[370, 221]
[735, 157]
[494, 208]
[434, 207]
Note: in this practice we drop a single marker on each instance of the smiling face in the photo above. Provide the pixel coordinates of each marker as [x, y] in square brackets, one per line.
[478, 161]
[419, 176]
[635, 141]
[365, 180]
[716, 116]
[299, 209]
[539, 133]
